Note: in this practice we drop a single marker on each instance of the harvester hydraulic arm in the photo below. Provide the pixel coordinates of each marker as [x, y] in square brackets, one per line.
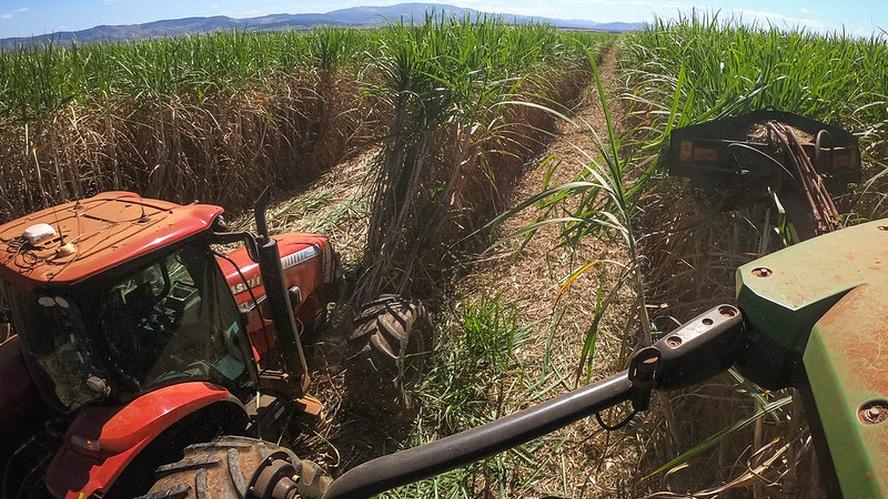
[695, 351]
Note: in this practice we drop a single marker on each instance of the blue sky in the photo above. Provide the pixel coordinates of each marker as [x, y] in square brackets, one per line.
[28, 17]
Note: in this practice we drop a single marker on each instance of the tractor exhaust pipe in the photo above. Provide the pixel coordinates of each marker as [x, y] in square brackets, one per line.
[279, 303]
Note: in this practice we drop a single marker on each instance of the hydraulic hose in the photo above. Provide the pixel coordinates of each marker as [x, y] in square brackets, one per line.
[414, 464]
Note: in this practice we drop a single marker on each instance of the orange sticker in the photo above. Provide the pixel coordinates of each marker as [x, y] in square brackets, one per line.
[841, 161]
[705, 154]
[686, 150]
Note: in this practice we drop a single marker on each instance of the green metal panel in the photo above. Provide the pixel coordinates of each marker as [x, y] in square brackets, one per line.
[802, 283]
[826, 302]
[847, 365]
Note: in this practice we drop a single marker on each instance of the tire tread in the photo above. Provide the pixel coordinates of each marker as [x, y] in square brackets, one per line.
[390, 334]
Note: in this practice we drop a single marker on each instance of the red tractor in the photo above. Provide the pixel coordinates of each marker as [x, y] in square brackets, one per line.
[129, 336]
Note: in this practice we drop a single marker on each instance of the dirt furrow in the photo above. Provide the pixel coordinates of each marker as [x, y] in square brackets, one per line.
[578, 461]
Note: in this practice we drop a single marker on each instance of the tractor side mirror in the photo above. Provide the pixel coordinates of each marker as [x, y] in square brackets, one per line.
[238, 237]
[222, 234]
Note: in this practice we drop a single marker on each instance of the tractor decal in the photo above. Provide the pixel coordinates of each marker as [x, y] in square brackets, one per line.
[299, 257]
[250, 284]
[287, 262]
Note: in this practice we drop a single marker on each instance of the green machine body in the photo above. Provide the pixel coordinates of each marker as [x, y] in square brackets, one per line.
[817, 320]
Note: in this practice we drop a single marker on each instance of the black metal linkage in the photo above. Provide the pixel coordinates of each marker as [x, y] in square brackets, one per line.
[414, 464]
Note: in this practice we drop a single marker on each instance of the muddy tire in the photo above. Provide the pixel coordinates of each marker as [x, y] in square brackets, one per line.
[388, 350]
[224, 468]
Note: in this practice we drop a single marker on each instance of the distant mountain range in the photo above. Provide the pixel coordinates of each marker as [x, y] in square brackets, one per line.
[355, 17]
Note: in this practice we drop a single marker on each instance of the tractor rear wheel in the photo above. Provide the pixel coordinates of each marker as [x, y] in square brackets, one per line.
[227, 468]
[387, 350]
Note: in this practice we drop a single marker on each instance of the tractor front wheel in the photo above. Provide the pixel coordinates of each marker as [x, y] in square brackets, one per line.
[239, 467]
[387, 351]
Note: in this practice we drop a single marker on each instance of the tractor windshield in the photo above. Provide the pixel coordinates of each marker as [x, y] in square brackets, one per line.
[170, 321]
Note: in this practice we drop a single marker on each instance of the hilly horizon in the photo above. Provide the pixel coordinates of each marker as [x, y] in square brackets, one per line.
[350, 17]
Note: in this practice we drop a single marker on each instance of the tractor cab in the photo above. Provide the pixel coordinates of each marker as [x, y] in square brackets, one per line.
[109, 308]
[120, 334]
[139, 334]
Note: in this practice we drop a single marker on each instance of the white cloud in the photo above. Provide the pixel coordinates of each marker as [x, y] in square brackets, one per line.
[805, 11]
[767, 16]
[12, 13]
[593, 10]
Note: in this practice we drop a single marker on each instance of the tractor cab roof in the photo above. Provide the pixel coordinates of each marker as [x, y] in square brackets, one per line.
[70, 242]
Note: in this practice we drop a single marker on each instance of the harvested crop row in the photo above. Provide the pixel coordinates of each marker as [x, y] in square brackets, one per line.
[468, 102]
